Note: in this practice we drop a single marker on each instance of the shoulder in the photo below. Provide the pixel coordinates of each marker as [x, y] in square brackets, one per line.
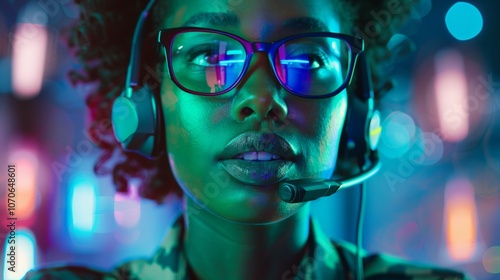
[67, 272]
[129, 270]
[384, 266]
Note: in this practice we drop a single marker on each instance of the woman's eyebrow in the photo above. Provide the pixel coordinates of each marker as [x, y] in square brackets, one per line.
[213, 18]
[304, 24]
[223, 19]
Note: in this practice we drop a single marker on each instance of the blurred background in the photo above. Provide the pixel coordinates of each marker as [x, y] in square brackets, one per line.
[436, 199]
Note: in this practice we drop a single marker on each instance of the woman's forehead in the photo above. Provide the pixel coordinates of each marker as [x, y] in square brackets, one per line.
[256, 18]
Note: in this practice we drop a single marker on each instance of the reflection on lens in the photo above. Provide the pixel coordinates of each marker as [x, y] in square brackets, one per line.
[207, 62]
[210, 63]
[312, 65]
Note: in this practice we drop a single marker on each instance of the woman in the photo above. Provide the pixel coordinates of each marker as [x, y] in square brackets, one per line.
[232, 127]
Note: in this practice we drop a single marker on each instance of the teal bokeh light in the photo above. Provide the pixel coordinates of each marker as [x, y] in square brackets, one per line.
[464, 21]
[398, 131]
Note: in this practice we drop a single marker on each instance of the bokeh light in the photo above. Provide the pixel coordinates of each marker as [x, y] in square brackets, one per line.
[398, 130]
[427, 148]
[82, 202]
[491, 259]
[127, 208]
[27, 164]
[424, 7]
[28, 59]
[460, 219]
[464, 21]
[26, 252]
[450, 88]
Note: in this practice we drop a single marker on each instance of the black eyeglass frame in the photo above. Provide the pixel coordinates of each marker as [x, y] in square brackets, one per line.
[166, 38]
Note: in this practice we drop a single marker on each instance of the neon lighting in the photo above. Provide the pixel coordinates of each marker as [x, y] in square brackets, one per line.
[450, 88]
[28, 59]
[230, 61]
[234, 52]
[460, 219]
[27, 164]
[25, 255]
[292, 61]
[127, 208]
[83, 206]
[464, 21]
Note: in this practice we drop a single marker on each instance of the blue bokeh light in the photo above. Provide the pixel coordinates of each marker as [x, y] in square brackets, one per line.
[464, 21]
[398, 130]
[82, 209]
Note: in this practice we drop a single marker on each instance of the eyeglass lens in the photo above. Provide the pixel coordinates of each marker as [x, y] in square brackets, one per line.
[210, 63]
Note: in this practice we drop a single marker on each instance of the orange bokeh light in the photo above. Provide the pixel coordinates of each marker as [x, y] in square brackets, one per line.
[460, 219]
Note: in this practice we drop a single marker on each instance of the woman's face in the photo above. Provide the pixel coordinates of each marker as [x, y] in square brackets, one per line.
[257, 115]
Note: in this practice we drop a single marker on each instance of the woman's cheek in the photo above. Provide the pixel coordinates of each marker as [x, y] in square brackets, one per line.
[327, 131]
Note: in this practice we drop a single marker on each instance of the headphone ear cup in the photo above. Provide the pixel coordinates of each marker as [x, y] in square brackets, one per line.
[135, 121]
[362, 125]
[353, 147]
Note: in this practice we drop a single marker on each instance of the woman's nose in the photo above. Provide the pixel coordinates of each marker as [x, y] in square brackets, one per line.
[259, 96]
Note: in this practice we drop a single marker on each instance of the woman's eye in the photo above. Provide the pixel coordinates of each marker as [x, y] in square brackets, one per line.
[204, 59]
[220, 54]
[315, 62]
[305, 61]
[203, 55]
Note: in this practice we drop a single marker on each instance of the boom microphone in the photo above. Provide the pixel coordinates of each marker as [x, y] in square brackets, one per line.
[302, 190]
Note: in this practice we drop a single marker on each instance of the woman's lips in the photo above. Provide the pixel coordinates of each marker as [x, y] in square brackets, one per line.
[257, 158]
[257, 172]
[258, 142]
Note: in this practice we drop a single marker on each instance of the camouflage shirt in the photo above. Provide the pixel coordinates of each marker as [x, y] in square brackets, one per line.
[323, 259]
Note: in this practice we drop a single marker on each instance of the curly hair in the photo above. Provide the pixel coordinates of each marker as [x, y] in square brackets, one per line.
[101, 39]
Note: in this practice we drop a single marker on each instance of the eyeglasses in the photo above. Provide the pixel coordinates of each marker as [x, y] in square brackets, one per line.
[211, 62]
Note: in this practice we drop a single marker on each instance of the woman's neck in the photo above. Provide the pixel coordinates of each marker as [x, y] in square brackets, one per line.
[219, 249]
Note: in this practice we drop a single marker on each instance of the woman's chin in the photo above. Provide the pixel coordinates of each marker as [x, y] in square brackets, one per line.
[249, 211]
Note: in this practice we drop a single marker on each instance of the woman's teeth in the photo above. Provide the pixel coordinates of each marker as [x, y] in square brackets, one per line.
[257, 156]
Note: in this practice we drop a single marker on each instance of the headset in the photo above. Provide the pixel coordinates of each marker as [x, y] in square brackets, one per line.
[136, 115]
[138, 124]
